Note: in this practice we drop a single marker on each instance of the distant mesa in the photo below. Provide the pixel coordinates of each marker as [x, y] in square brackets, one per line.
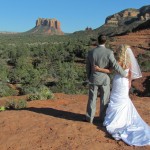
[47, 26]
[52, 23]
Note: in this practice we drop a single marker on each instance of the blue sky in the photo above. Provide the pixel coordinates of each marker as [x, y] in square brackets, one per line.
[74, 15]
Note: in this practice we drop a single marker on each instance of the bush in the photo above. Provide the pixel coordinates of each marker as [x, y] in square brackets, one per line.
[42, 94]
[145, 66]
[4, 71]
[143, 60]
[24, 73]
[16, 104]
[33, 97]
[27, 89]
[5, 90]
[2, 108]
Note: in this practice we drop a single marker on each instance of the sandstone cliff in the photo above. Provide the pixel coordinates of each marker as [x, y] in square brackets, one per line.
[125, 21]
[128, 16]
[47, 26]
[52, 23]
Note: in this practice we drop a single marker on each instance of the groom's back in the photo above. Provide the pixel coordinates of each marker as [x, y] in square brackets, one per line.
[100, 57]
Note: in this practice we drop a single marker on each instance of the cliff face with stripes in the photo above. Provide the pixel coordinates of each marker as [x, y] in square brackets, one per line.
[47, 26]
[128, 16]
[125, 21]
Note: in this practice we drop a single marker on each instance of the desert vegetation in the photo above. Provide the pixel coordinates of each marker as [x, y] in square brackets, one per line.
[31, 63]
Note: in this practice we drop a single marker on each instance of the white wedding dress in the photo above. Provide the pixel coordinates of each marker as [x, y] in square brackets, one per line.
[122, 120]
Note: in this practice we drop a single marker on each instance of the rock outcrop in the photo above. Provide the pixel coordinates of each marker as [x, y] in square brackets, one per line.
[88, 29]
[52, 23]
[47, 26]
[128, 16]
[125, 21]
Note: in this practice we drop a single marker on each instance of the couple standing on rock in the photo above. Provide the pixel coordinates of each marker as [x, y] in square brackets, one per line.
[117, 112]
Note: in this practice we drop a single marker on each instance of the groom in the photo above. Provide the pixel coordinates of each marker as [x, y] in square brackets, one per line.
[98, 81]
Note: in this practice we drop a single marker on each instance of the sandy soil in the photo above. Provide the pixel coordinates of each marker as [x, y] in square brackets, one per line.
[57, 125]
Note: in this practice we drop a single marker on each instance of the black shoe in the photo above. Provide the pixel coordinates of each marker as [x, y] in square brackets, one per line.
[101, 120]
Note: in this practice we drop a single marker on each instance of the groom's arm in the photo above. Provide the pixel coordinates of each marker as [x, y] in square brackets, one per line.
[116, 66]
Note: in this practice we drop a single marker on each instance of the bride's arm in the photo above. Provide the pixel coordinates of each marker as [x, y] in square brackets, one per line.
[96, 68]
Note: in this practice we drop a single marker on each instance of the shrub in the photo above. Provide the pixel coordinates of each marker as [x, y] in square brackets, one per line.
[143, 60]
[33, 97]
[145, 66]
[42, 94]
[4, 71]
[24, 73]
[27, 89]
[2, 108]
[5, 90]
[16, 104]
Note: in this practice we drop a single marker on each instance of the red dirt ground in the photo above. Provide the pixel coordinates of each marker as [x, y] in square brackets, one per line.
[57, 125]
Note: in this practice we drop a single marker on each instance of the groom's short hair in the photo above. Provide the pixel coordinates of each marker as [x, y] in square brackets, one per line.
[102, 39]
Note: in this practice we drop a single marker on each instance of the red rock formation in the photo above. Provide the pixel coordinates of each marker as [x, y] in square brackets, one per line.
[142, 14]
[50, 26]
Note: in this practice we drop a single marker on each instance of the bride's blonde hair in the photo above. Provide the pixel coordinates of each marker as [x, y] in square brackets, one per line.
[122, 56]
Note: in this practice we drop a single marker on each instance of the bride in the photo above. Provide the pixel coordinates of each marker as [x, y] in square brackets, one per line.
[122, 120]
